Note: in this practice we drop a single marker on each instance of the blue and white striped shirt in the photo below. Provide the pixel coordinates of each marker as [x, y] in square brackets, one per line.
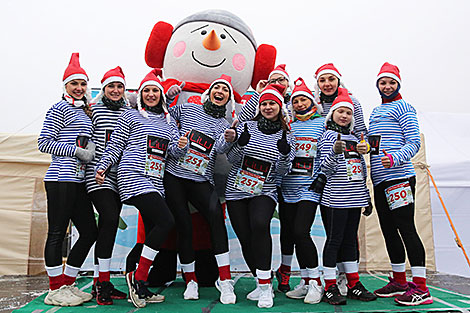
[261, 147]
[397, 124]
[62, 125]
[339, 191]
[128, 146]
[104, 120]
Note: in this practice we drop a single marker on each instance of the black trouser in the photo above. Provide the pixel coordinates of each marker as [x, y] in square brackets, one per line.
[341, 235]
[398, 226]
[296, 221]
[156, 216]
[108, 205]
[251, 221]
[205, 199]
[68, 201]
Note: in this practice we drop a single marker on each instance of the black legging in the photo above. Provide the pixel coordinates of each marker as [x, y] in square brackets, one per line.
[251, 221]
[341, 235]
[108, 205]
[156, 216]
[398, 226]
[68, 201]
[205, 199]
[296, 221]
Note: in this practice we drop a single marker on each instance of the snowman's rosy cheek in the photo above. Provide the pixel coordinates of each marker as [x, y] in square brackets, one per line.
[238, 62]
[179, 49]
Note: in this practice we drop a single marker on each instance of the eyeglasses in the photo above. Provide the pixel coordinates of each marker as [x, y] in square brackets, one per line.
[279, 80]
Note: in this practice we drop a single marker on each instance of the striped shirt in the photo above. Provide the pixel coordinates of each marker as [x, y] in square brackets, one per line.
[263, 149]
[339, 191]
[62, 125]
[295, 187]
[129, 147]
[193, 165]
[397, 124]
[104, 120]
[249, 109]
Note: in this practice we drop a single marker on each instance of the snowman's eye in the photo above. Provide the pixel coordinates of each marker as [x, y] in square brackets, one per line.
[204, 32]
[223, 36]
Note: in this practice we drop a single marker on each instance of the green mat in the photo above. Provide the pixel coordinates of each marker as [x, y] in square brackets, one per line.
[444, 300]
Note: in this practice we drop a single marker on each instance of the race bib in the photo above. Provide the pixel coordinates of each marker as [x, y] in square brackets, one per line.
[252, 175]
[353, 161]
[197, 158]
[302, 167]
[399, 195]
[306, 147]
[155, 156]
[80, 169]
[374, 142]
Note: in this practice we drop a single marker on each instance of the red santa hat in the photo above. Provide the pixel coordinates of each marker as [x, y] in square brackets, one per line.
[152, 79]
[327, 68]
[281, 69]
[301, 89]
[112, 76]
[391, 71]
[74, 70]
[274, 92]
[227, 80]
[342, 100]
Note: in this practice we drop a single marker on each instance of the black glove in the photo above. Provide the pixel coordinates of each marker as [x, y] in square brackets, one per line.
[318, 184]
[282, 144]
[244, 137]
[368, 209]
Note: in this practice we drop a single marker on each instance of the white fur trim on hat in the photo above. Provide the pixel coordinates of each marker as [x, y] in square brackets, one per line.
[328, 71]
[75, 76]
[389, 75]
[113, 79]
[275, 93]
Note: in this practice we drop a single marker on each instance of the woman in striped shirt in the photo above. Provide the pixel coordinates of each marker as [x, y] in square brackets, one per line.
[344, 195]
[65, 135]
[140, 143]
[191, 178]
[394, 128]
[262, 155]
[106, 108]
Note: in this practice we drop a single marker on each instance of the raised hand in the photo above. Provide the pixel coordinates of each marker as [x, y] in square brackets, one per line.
[339, 145]
[362, 147]
[386, 160]
[244, 137]
[174, 90]
[183, 140]
[230, 134]
[282, 144]
[261, 85]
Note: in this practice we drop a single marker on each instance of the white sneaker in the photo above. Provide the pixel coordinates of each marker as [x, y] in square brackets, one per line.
[227, 296]
[85, 296]
[191, 292]
[314, 293]
[254, 294]
[299, 292]
[266, 296]
[155, 298]
[342, 283]
[62, 297]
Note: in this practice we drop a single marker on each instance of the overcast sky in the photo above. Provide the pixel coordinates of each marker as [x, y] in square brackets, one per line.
[428, 40]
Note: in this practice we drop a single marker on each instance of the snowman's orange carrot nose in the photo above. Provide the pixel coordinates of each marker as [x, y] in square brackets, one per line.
[211, 42]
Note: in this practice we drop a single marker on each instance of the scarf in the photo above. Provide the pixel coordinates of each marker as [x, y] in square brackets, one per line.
[331, 125]
[214, 110]
[328, 99]
[307, 114]
[158, 109]
[113, 105]
[268, 127]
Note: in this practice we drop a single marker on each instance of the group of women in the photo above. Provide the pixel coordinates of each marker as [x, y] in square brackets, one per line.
[288, 147]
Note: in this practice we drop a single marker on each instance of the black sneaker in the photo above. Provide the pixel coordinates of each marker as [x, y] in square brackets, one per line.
[359, 292]
[103, 293]
[138, 290]
[332, 296]
[283, 281]
[117, 294]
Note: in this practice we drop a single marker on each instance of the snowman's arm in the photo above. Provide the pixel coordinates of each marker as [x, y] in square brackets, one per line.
[248, 111]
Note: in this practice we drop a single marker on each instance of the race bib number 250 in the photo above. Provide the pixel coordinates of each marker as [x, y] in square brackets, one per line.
[399, 195]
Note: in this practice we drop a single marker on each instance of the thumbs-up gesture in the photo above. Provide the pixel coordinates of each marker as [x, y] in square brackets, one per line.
[362, 147]
[174, 90]
[339, 145]
[244, 137]
[230, 134]
[386, 159]
[183, 141]
[282, 144]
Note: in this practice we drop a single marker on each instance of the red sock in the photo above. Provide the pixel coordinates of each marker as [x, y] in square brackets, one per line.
[285, 268]
[104, 276]
[224, 272]
[399, 277]
[55, 282]
[188, 276]
[317, 280]
[95, 279]
[421, 283]
[264, 281]
[306, 280]
[68, 280]
[353, 278]
[329, 282]
[142, 271]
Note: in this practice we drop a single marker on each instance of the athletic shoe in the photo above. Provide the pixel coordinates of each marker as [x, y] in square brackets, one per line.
[414, 296]
[282, 280]
[342, 283]
[227, 296]
[332, 296]
[299, 292]
[392, 289]
[138, 291]
[266, 296]
[155, 298]
[191, 292]
[359, 292]
[314, 292]
[62, 297]
[85, 296]
[103, 293]
[115, 293]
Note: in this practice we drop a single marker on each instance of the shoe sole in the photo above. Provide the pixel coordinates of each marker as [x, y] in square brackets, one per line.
[389, 295]
[295, 297]
[307, 301]
[334, 303]
[426, 301]
[361, 299]
[129, 285]
[230, 302]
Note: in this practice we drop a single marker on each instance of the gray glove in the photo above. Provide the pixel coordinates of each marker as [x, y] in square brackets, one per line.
[87, 154]
[339, 145]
